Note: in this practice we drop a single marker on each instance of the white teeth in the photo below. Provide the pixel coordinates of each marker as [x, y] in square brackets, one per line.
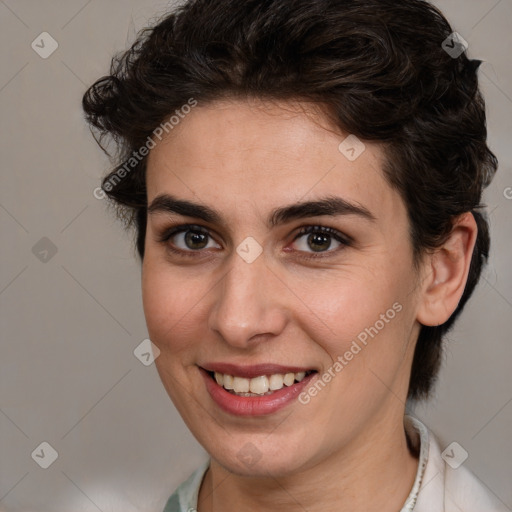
[258, 385]
[228, 381]
[241, 385]
[299, 376]
[276, 381]
[289, 379]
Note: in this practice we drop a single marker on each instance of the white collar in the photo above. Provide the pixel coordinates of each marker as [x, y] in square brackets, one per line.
[418, 437]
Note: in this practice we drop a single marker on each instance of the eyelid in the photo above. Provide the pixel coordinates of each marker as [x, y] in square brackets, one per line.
[338, 235]
[166, 234]
[343, 239]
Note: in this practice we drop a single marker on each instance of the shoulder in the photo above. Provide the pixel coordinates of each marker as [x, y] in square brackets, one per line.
[464, 491]
[449, 486]
[184, 498]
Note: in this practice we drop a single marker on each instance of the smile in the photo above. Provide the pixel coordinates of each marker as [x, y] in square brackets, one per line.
[261, 385]
[254, 390]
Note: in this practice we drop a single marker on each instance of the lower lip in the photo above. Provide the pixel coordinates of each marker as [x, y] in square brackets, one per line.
[253, 405]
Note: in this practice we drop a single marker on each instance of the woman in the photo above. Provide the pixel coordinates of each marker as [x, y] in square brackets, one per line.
[305, 178]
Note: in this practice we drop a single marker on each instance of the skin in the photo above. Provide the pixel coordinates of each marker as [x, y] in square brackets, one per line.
[346, 449]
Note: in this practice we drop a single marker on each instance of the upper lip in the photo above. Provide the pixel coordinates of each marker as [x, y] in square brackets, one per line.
[251, 371]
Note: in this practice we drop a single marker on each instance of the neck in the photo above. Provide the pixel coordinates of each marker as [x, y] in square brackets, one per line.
[376, 473]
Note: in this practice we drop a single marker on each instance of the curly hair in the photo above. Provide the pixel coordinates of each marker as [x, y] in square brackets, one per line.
[379, 69]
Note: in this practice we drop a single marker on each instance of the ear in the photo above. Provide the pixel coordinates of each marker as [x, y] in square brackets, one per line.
[446, 272]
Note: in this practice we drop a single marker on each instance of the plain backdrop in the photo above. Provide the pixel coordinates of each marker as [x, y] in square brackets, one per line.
[71, 311]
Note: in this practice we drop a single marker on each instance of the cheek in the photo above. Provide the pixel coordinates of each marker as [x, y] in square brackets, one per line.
[168, 300]
[347, 303]
[365, 319]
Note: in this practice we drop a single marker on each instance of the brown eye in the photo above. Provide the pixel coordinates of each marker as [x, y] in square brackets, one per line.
[188, 239]
[319, 239]
[195, 240]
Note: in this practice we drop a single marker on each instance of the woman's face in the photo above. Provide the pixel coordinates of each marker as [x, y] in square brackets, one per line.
[245, 293]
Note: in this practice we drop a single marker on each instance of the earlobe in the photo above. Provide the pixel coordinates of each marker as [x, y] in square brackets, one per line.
[447, 271]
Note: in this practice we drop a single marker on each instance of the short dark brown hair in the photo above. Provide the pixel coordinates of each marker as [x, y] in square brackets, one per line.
[378, 68]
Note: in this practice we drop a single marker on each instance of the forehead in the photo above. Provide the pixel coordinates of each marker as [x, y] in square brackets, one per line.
[231, 152]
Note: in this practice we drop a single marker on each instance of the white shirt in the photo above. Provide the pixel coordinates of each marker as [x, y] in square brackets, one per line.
[438, 487]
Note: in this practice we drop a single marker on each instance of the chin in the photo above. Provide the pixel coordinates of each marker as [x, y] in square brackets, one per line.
[254, 456]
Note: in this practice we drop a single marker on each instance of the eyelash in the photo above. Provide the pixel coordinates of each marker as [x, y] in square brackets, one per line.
[344, 240]
[325, 230]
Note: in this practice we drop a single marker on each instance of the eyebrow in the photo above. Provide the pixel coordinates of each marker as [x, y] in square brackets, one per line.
[330, 205]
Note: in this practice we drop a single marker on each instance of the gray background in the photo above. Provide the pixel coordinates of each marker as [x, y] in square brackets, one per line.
[69, 325]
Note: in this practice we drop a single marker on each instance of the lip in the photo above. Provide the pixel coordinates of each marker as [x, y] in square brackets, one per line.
[251, 371]
[257, 405]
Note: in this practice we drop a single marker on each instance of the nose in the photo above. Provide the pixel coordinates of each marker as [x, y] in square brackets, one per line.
[248, 306]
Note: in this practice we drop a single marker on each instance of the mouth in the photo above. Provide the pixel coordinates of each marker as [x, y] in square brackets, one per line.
[254, 390]
[262, 385]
